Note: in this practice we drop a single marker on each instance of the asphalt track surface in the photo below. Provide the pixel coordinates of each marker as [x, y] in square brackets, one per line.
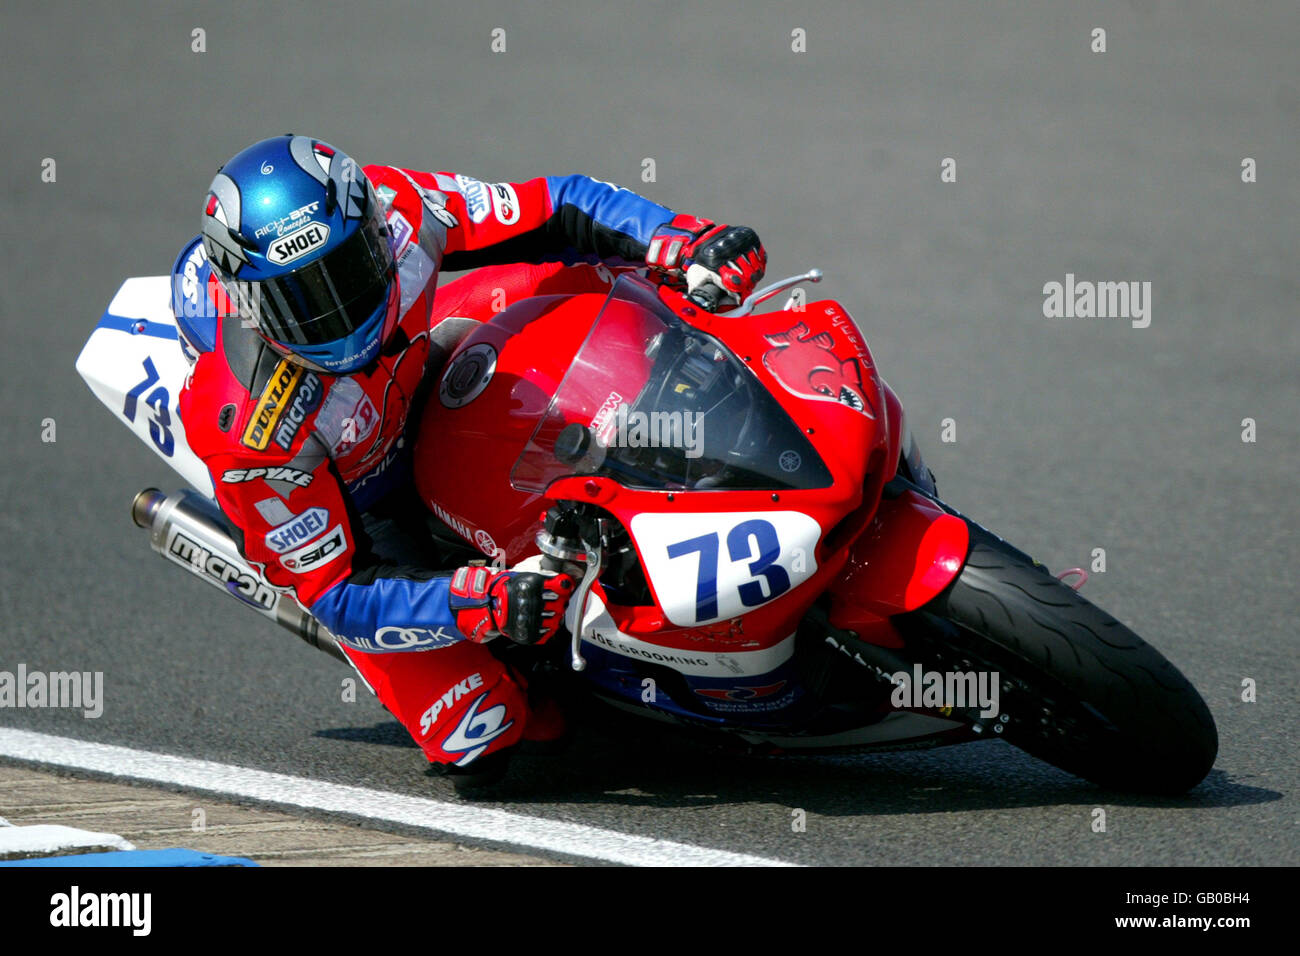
[1072, 434]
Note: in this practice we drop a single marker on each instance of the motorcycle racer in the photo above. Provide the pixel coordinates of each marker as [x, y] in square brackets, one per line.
[310, 312]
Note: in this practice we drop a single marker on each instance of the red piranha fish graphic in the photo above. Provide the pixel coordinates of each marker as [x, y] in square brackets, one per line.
[805, 365]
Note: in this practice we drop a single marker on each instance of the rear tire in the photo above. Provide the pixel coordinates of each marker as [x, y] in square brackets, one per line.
[1079, 689]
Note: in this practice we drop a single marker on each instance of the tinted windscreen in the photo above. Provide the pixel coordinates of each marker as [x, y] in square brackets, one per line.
[654, 403]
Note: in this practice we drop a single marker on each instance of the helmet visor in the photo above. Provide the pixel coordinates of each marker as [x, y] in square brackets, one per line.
[330, 298]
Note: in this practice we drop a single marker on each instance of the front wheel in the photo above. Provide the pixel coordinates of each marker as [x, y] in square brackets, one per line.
[1078, 689]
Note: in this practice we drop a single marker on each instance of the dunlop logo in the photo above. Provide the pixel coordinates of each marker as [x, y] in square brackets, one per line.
[272, 404]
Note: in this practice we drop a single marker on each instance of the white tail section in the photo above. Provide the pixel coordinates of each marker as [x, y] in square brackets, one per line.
[134, 365]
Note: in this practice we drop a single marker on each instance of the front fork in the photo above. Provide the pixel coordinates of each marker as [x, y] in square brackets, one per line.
[574, 542]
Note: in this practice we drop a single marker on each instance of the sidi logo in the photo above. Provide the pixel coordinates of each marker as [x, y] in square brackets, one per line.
[321, 551]
[75, 909]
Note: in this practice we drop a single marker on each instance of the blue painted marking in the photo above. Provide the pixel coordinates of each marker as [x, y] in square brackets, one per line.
[172, 857]
[159, 330]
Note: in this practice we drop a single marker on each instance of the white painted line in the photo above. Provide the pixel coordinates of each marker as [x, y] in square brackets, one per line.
[47, 839]
[481, 823]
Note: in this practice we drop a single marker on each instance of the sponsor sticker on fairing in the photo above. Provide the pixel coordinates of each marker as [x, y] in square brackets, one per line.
[298, 531]
[477, 201]
[484, 542]
[316, 553]
[603, 423]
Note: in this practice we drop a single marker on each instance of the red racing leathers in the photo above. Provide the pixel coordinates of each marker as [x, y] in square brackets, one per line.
[296, 456]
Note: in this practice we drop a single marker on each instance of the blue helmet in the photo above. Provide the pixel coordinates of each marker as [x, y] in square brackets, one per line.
[298, 239]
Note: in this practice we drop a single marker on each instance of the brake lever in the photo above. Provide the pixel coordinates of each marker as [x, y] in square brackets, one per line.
[762, 295]
[595, 558]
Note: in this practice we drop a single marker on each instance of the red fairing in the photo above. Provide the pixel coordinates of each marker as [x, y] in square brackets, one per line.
[910, 552]
[814, 363]
[894, 417]
[531, 344]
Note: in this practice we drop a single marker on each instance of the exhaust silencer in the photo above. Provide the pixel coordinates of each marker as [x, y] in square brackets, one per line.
[189, 530]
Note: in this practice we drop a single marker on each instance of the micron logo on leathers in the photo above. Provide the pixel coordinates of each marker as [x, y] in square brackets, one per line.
[271, 405]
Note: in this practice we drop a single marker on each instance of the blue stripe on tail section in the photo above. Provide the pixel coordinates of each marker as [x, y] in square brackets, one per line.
[158, 330]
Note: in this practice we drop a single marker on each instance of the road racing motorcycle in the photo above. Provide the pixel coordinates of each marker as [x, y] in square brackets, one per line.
[762, 551]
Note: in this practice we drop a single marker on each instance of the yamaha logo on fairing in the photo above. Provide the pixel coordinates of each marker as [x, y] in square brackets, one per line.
[319, 552]
[298, 531]
[298, 243]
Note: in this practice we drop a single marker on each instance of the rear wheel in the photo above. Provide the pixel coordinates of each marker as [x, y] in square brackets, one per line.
[1077, 688]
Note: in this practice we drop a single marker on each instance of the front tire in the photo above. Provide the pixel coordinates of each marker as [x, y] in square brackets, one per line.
[1078, 689]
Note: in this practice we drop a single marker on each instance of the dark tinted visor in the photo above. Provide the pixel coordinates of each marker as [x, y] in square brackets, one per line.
[330, 298]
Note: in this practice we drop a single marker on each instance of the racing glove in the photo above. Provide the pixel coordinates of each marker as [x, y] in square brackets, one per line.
[720, 265]
[525, 606]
